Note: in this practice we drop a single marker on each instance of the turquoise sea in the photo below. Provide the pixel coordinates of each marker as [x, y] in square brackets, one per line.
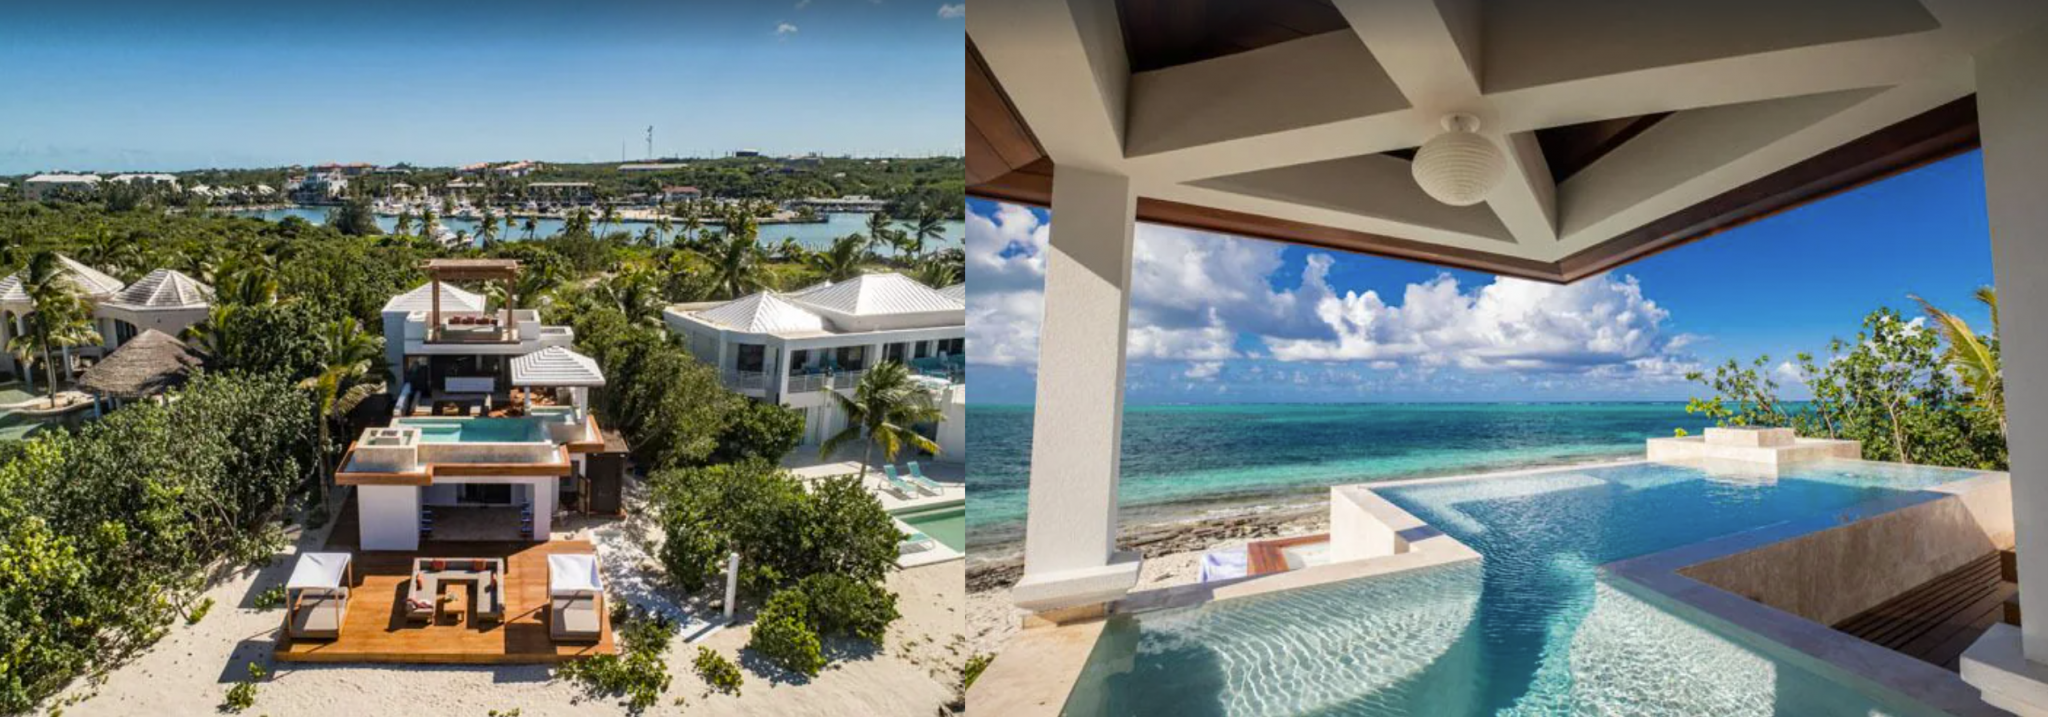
[1182, 461]
[812, 235]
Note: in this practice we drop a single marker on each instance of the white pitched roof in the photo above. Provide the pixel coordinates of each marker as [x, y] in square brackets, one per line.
[870, 294]
[763, 313]
[165, 289]
[93, 282]
[956, 292]
[556, 366]
[421, 298]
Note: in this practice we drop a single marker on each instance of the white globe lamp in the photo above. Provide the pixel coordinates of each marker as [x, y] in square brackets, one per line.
[1458, 167]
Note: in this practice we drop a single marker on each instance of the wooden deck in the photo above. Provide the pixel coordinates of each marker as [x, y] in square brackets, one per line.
[1268, 556]
[1936, 621]
[376, 630]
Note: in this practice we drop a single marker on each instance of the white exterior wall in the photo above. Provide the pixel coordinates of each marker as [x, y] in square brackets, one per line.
[390, 516]
[953, 430]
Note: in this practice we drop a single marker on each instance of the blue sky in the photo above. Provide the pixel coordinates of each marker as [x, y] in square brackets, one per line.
[1228, 319]
[131, 84]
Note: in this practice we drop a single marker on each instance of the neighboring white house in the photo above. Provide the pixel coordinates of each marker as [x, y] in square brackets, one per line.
[165, 300]
[790, 349]
[43, 185]
[164, 180]
[450, 476]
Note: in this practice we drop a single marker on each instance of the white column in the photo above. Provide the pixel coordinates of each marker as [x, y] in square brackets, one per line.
[389, 516]
[2011, 665]
[1070, 557]
[544, 494]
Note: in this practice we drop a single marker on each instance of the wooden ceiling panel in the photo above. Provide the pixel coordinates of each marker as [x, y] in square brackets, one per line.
[1166, 33]
[1571, 148]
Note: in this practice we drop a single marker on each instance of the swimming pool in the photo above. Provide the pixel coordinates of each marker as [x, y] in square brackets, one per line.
[476, 430]
[946, 524]
[1532, 629]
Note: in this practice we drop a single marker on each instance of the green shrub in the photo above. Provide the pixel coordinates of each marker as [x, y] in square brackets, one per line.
[976, 665]
[199, 611]
[783, 635]
[782, 532]
[272, 598]
[242, 696]
[759, 430]
[718, 672]
[639, 673]
[839, 605]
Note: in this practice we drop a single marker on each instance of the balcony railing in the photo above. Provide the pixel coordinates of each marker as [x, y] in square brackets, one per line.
[746, 380]
[839, 380]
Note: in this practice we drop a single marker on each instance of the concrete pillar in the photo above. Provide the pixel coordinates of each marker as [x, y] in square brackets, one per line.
[1070, 558]
[390, 516]
[2010, 665]
[544, 509]
[2012, 105]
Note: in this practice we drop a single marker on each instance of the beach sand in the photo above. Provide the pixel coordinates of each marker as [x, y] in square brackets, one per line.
[1173, 554]
[917, 672]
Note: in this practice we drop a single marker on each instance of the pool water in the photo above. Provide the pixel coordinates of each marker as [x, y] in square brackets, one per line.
[948, 525]
[476, 430]
[1532, 629]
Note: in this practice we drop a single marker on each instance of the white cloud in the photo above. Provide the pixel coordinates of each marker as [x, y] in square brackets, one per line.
[1203, 370]
[784, 30]
[1197, 296]
[953, 12]
[801, 4]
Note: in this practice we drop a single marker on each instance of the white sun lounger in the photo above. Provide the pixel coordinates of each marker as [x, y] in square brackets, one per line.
[917, 477]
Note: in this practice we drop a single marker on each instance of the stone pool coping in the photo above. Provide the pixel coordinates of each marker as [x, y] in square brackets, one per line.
[1035, 673]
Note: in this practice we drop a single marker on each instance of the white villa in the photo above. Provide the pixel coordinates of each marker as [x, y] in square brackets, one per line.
[166, 300]
[491, 417]
[791, 348]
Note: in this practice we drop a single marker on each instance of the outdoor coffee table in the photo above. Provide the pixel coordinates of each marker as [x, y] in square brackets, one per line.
[454, 600]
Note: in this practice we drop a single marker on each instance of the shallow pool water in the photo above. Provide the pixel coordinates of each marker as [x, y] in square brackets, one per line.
[476, 430]
[948, 525]
[1532, 629]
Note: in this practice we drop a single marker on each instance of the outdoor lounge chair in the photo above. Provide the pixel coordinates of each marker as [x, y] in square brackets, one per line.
[317, 594]
[318, 617]
[904, 489]
[917, 477]
[915, 542]
[575, 598]
[574, 619]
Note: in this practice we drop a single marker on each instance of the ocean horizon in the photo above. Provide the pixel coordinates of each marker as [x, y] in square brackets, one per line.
[1185, 460]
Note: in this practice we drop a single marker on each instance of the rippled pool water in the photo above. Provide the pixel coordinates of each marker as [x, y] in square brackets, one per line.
[1530, 630]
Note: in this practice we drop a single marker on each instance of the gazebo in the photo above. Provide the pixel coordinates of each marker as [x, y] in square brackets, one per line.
[558, 367]
[317, 595]
[575, 597]
[148, 365]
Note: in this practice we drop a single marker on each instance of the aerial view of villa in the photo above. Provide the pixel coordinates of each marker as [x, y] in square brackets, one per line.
[1530, 358]
[431, 372]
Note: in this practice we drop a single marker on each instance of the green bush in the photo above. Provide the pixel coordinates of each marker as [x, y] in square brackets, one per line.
[243, 695]
[759, 430]
[718, 672]
[782, 532]
[269, 599]
[839, 605]
[976, 665]
[639, 673]
[783, 635]
[199, 611]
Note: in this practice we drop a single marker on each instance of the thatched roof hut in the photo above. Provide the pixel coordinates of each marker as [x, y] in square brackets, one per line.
[147, 365]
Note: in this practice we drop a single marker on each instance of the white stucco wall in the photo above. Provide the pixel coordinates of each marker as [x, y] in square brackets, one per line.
[390, 516]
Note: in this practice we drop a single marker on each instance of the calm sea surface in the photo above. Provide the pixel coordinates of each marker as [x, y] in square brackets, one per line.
[810, 235]
[1181, 461]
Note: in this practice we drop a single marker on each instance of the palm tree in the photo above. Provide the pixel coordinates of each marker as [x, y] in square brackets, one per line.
[430, 224]
[607, 216]
[663, 226]
[636, 293]
[884, 408]
[531, 224]
[793, 252]
[1974, 358]
[487, 228]
[346, 355]
[879, 232]
[578, 223]
[936, 273]
[736, 261]
[693, 222]
[59, 318]
[929, 226]
[404, 222]
[843, 259]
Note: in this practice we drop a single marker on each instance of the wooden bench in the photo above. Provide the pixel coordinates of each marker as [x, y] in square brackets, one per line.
[1937, 620]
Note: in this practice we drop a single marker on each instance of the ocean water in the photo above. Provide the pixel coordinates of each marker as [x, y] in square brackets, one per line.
[1533, 629]
[1181, 461]
[812, 236]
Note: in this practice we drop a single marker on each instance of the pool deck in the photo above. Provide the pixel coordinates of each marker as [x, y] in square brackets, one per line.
[1941, 618]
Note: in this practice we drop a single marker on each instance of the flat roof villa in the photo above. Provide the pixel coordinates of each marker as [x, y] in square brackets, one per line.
[1523, 140]
[792, 348]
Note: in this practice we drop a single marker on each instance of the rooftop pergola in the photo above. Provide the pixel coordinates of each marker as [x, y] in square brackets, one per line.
[440, 270]
[1617, 129]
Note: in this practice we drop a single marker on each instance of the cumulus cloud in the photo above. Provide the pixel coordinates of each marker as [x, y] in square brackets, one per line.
[953, 12]
[1207, 298]
[784, 30]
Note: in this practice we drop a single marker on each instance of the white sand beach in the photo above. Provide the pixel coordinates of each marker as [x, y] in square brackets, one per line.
[917, 672]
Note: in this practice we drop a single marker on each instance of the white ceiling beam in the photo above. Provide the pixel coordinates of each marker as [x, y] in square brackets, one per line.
[1526, 199]
[1695, 155]
[1337, 218]
[1373, 185]
[1429, 49]
[1062, 63]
